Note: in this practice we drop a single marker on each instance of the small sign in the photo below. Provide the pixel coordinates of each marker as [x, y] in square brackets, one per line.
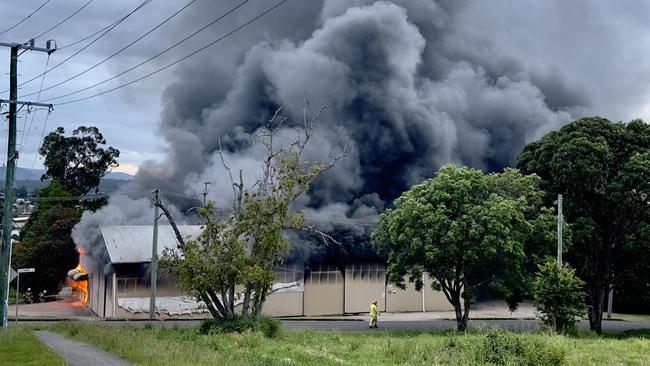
[12, 274]
[26, 270]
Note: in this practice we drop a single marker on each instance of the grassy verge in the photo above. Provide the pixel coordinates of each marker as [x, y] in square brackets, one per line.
[146, 346]
[19, 346]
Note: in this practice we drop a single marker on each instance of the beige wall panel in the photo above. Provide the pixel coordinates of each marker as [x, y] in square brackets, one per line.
[323, 293]
[398, 300]
[284, 304]
[101, 285]
[435, 300]
[364, 283]
[109, 297]
[92, 288]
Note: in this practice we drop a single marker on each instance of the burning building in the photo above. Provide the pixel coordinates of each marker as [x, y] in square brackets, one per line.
[411, 88]
[78, 279]
[124, 292]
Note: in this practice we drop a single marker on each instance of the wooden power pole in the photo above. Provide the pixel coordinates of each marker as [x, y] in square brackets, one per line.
[154, 258]
[12, 156]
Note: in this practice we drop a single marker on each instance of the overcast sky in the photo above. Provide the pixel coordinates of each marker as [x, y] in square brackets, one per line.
[596, 53]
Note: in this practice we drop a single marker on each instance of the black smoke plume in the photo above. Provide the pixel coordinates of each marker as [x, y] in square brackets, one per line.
[410, 87]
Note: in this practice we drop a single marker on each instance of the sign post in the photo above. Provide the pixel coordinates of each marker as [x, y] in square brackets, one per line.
[21, 270]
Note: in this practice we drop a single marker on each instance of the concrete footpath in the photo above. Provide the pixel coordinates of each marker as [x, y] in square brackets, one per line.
[77, 353]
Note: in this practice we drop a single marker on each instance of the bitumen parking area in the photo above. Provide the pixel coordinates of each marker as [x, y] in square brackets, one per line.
[358, 325]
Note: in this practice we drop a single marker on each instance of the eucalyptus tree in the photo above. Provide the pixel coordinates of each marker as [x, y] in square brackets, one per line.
[602, 169]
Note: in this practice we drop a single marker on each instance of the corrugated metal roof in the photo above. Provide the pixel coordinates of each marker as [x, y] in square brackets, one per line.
[132, 244]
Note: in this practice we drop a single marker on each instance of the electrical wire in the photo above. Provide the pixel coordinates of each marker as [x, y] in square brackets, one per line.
[64, 20]
[22, 132]
[84, 47]
[38, 99]
[352, 222]
[25, 18]
[120, 50]
[152, 57]
[29, 174]
[59, 48]
[173, 63]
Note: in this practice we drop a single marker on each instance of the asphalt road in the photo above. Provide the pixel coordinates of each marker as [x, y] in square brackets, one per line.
[439, 325]
[362, 326]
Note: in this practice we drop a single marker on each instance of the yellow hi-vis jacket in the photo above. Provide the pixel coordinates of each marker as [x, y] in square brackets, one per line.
[373, 310]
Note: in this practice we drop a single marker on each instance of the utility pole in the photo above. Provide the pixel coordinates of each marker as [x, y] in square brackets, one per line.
[610, 299]
[12, 156]
[560, 220]
[206, 190]
[154, 258]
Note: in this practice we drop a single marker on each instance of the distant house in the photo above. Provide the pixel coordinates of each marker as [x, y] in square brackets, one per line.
[320, 290]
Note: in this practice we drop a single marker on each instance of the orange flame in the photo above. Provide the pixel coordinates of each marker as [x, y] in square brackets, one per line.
[81, 285]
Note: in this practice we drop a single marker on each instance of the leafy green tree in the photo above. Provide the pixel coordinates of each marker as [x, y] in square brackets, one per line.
[242, 250]
[464, 229]
[75, 166]
[78, 161]
[602, 169]
[559, 296]
[44, 242]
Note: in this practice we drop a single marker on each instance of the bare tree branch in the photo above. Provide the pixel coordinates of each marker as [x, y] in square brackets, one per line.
[324, 236]
[158, 203]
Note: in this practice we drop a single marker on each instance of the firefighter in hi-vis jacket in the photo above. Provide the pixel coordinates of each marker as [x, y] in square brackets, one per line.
[374, 313]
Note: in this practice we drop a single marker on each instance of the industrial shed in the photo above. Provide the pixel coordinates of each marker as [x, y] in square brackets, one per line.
[310, 291]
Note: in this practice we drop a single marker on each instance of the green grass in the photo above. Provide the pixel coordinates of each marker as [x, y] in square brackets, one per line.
[19, 346]
[147, 346]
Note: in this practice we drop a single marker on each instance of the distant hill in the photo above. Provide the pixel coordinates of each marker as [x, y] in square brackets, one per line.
[35, 174]
[32, 181]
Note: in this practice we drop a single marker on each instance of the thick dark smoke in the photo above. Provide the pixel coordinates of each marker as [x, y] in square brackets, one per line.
[411, 88]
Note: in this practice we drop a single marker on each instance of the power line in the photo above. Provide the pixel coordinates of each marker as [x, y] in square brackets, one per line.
[29, 174]
[348, 221]
[64, 20]
[84, 47]
[175, 62]
[120, 50]
[120, 20]
[154, 56]
[25, 18]
[38, 99]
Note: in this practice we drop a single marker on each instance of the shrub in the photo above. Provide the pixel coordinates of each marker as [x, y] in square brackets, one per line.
[499, 347]
[270, 327]
[559, 296]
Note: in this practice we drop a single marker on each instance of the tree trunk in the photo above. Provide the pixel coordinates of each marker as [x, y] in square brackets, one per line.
[247, 302]
[596, 299]
[466, 305]
[231, 299]
[259, 303]
[226, 305]
[215, 300]
[172, 222]
[211, 307]
[461, 322]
